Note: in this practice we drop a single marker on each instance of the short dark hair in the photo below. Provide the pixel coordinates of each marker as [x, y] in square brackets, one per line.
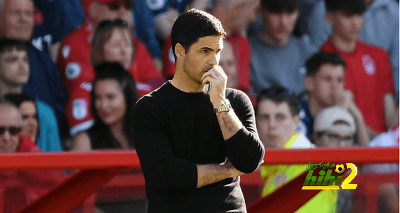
[350, 7]
[320, 58]
[192, 25]
[280, 94]
[278, 6]
[18, 98]
[10, 44]
[115, 71]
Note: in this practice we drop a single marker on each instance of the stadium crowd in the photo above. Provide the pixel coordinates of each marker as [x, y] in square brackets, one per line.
[320, 73]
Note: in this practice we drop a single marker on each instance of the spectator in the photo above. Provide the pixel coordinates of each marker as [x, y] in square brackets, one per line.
[234, 16]
[74, 54]
[277, 121]
[44, 83]
[389, 192]
[113, 97]
[335, 127]
[53, 21]
[274, 46]
[10, 128]
[14, 74]
[368, 75]
[325, 86]
[381, 28]
[29, 114]
[111, 41]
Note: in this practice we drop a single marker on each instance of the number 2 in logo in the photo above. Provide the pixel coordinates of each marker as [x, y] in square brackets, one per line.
[346, 183]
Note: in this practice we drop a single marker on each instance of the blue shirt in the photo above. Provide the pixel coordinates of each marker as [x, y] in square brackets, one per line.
[306, 121]
[55, 20]
[44, 82]
[161, 6]
[281, 66]
[49, 138]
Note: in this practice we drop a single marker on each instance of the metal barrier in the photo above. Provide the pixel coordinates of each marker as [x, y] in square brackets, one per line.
[98, 167]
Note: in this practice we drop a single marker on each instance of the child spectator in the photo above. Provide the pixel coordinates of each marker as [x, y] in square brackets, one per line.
[368, 75]
[277, 57]
[113, 97]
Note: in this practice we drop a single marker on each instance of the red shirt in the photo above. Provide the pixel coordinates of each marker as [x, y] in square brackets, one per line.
[76, 68]
[369, 78]
[26, 145]
[78, 111]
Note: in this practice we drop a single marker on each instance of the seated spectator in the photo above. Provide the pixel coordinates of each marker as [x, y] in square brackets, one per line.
[111, 41]
[74, 54]
[44, 82]
[276, 54]
[113, 97]
[325, 87]
[381, 28]
[14, 74]
[368, 75]
[10, 128]
[53, 21]
[277, 116]
[389, 192]
[234, 16]
[29, 114]
[335, 127]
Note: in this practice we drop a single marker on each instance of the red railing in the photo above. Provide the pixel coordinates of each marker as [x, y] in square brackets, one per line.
[100, 166]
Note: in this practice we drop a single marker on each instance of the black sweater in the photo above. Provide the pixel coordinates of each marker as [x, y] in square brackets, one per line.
[173, 131]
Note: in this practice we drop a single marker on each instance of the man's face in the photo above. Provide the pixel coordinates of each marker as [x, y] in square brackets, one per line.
[14, 67]
[201, 57]
[345, 26]
[335, 139]
[112, 11]
[10, 121]
[17, 20]
[327, 85]
[228, 64]
[275, 123]
[279, 26]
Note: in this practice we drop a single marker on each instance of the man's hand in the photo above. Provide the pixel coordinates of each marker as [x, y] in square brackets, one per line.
[233, 171]
[217, 80]
[345, 99]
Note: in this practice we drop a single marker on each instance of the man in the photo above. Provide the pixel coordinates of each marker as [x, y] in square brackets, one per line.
[368, 75]
[73, 56]
[234, 16]
[44, 83]
[193, 144]
[335, 127]
[381, 28]
[325, 86]
[10, 127]
[14, 74]
[276, 54]
[277, 121]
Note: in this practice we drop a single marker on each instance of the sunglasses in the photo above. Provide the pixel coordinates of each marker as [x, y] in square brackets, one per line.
[12, 130]
[128, 4]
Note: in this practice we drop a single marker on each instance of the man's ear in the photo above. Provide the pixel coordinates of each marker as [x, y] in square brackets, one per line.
[329, 18]
[315, 139]
[309, 83]
[179, 51]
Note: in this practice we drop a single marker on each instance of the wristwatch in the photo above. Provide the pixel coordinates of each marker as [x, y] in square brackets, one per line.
[225, 107]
